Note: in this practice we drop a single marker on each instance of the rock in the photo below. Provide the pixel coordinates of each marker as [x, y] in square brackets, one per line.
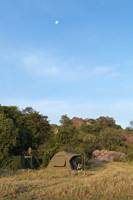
[128, 138]
[104, 155]
[77, 122]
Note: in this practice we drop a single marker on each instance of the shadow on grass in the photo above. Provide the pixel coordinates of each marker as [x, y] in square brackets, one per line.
[96, 165]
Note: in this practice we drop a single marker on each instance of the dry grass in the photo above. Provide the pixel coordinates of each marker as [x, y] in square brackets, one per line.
[110, 182]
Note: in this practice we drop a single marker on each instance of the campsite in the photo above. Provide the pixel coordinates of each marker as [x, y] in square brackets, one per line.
[66, 100]
[87, 159]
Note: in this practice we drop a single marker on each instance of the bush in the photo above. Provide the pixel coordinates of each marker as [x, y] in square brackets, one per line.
[111, 139]
[14, 163]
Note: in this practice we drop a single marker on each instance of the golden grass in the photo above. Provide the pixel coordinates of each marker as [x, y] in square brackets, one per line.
[111, 182]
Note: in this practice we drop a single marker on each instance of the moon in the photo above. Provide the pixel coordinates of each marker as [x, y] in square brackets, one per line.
[56, 22]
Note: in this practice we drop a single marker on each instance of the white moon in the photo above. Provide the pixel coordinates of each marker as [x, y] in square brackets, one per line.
[56, 22]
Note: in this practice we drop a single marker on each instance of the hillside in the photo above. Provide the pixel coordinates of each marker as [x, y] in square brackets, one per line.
[110, 182]
[26, 132]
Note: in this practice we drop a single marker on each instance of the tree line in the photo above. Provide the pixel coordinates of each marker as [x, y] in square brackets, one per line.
[27, 128]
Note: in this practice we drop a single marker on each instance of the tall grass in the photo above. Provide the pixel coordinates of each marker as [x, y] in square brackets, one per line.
[110, 182]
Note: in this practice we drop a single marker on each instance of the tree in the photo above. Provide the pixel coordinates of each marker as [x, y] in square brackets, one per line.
[66, 130]
[38, 126]
[24, 137]
[106, 122]
[130, 127]
[111, 139]
[8, 138]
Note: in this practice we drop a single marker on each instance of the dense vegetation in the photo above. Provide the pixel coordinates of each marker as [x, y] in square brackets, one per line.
[29, 132]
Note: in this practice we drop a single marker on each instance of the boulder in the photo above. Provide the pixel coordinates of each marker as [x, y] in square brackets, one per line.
[128, 138]
[104, 155]
[77, 122]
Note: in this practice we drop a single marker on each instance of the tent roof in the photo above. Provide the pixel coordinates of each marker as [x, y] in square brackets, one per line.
[66, 154]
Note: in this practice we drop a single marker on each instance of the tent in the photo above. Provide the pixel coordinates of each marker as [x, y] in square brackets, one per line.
[64, 160]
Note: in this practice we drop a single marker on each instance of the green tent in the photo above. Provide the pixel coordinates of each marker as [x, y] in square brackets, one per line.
[64, 160]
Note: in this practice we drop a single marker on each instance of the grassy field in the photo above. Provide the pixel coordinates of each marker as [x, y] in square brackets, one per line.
[110, 182]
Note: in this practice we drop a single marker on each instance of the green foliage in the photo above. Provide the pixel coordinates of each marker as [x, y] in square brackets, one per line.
[111, 139]
[66, 130]
[8, 135]
[48, 155]
[37, 125]
[13, 163]
[20, 130]
[85, 142]
[46, 158]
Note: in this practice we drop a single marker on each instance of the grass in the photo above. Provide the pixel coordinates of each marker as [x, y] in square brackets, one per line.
[110, 182]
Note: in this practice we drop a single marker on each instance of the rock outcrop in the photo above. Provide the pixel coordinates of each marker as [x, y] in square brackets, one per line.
[77, 122]
[128, 138]
[104, 155]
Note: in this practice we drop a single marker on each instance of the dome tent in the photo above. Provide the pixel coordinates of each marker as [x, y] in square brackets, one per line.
[64, 160]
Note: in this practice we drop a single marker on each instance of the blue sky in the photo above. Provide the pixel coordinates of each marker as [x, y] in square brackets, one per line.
[81, 66]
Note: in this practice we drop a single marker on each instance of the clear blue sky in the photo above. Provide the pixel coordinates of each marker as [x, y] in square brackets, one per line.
[80, 65]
